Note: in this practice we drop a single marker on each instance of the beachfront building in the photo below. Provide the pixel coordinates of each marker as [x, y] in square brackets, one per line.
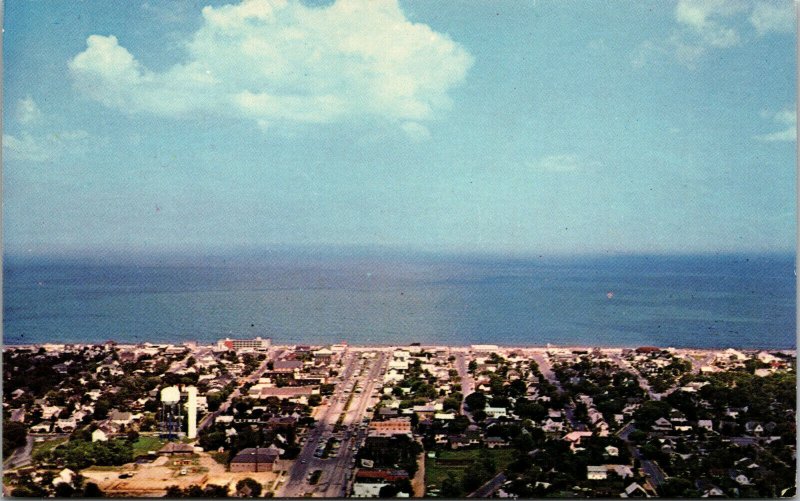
[257, 344]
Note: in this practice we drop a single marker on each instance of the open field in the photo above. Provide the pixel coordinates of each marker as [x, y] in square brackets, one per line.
[47, 446]
[152, 479]
[436, 471]
[145, 443]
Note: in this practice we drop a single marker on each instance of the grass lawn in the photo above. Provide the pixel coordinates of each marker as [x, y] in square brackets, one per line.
[435, 473]
[220, 457]
[144, 444]
[47, 446]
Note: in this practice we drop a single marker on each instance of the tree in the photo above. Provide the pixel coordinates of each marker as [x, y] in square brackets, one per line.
[64, 490]
[676, 487]
[476, 401]
[173, 491]
[92, 491]
[451, 404]
[450, 487]
[101, 409]
[248, 487]
[14, 435]
[472, 366]
[388, 491]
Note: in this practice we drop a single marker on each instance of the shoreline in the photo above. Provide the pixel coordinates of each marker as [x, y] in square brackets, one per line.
[377, 346]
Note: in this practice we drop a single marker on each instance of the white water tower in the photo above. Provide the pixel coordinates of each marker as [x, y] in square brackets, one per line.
[191, 393]
[171, 418]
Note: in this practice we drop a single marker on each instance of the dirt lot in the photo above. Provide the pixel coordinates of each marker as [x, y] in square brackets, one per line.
[153, 479]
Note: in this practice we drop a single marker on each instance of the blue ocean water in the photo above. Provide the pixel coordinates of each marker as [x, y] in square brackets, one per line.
[682, 301]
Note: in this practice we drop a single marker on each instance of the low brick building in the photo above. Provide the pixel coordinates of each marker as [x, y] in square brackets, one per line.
[254, 460]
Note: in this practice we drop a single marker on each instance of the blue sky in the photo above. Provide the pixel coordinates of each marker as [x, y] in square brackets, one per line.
[498, 127]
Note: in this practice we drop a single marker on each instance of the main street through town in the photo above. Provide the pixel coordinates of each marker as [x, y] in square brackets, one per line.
[356, 384]
[467, 381]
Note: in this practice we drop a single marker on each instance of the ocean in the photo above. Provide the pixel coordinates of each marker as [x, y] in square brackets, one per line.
[743, 301]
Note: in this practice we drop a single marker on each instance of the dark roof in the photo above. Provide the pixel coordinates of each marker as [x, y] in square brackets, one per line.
[250, 455]
[287, 364]
[387, 475]
[174, 447]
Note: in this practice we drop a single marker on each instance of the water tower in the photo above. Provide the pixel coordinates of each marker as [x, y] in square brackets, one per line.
[171, 418]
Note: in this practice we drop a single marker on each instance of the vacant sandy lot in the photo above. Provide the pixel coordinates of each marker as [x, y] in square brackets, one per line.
[154, 478]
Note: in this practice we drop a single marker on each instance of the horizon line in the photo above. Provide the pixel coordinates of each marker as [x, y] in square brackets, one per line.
[361, 251]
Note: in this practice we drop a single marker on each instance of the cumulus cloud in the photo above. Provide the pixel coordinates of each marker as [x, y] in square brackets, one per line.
[34, 141]
[28, 111]
[787, 119]
[274, 62]
[777, 17]
[703, 26]
[707, 20]
[43, 148]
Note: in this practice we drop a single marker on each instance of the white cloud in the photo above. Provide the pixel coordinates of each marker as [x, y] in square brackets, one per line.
[25, 147]
[787, 118]
[707, 20]
[703, 26]
[416, 131]
[28, 111]
[556, 163]
[43, 148]
[276, 62]
[777, 17]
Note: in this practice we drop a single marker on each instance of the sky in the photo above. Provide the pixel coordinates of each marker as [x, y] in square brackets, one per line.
[447, 126]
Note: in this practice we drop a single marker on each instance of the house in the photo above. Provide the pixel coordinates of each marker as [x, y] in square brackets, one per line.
[173, 448]
[634, 490]
[495, 412]
[368, 483]
[287, 366]
[739, 477]
[622, 470]
[708, 490]
[65, 476]
[553, 426]
[99, 435]
[367, 489]
[120, 418]
[49, 411]
[387, 412]
[596, 472]
[754, 427]
[706, 424]
[323, 355]
[43, 427]
[264, 392]
[662, 424]
[254, 459]
[389, 427]
[67, 425]
[494, 442]
[576, 436]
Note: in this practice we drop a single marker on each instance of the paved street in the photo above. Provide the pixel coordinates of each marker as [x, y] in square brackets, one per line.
[209, 418]
[489, 488]
[336, 471]
[467, 381]
[21, 455]
[546, 368]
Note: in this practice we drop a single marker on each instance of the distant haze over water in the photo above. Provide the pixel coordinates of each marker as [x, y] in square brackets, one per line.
[743, 301]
